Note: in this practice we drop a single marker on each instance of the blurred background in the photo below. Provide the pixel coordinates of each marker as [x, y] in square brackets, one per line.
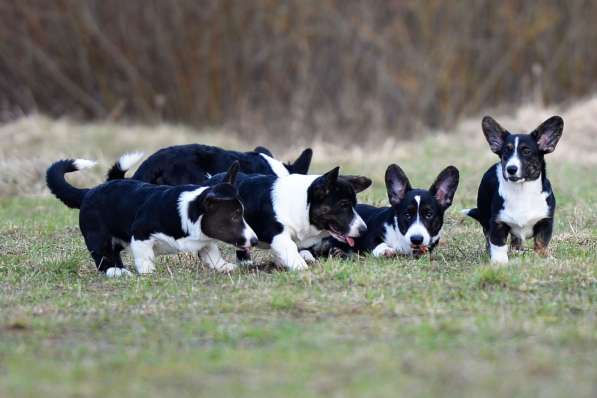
[364, 83]
[299, 69]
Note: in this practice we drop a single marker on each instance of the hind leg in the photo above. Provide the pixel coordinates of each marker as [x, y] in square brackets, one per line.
[542, 231]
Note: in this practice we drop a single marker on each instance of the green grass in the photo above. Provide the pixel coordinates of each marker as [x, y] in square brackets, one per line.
[452, 325]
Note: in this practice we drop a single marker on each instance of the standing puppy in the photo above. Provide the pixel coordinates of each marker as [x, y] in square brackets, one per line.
[413, 223]
[153, 219]
[515, 196]
[294, 212]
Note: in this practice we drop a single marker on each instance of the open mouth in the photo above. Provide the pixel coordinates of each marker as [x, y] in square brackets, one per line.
[515, 179]
[341, 237]
[419, 250]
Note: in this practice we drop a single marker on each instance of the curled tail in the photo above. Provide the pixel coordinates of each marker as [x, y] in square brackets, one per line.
[125, 162]
[474, 213]
[69, 195]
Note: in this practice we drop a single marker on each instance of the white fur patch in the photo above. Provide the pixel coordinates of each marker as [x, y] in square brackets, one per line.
[515, 160]
[289, 201]
[384, 250]
[277, 167]
[525, 204]
[189, 227]
[394, 239]
[356, 225]
[498, 254]
[307, 256]
[115, 272]
[81, 164]
[248, 234]
[164, 244]
[127, 160]
[417, 228]
[143, 254]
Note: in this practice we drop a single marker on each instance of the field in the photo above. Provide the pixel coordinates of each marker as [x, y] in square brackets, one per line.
[451, 325]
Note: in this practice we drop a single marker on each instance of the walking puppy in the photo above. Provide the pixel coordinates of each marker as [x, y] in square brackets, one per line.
[413, 223]
[153, 219]
[292, 213]
[195, 163]
[515, 196]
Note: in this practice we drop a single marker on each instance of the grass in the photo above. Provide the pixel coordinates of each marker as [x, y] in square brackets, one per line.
[452, 325]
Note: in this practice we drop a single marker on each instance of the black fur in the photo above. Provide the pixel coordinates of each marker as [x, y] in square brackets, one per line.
[195, 163]
[121, 210]
[530, 150]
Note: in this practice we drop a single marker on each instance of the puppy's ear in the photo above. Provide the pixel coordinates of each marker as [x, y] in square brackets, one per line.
[302, 163]
[397, 184]
[548, 134]
[359, 183]
[445, 186]
[263, 150]
[494, 134]
[230, 177]
[323, 184]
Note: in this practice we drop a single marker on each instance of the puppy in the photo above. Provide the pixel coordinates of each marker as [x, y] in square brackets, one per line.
[410, 226]
[515, 196]
[195, 163]
[294, 212]
[153, 219]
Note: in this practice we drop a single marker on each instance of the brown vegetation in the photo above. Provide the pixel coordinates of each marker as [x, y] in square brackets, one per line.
[307, 68]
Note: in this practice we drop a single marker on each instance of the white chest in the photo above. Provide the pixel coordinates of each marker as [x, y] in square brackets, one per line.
[524, 205]
[394, 238]
[164, 244]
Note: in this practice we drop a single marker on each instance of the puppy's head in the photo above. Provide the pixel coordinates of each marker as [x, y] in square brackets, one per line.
[301, 164]
[521, 155]
[223, 213]
[332, 199]
[419, 213]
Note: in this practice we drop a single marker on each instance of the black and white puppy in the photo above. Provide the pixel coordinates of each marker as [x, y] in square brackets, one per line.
[153, 219]
[413, 223]
[294, 212]
[195, 163]
[515, 197]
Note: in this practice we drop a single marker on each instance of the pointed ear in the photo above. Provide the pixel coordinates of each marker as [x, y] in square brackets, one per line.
[548, 134]
[230, 177]
[397, 184]
[494, 134]
[359, 183]
[263, 150]
[302, 163]
[445, 186]
[323, 184]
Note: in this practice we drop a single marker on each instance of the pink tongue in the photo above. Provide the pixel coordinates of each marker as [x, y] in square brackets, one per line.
[350, 241]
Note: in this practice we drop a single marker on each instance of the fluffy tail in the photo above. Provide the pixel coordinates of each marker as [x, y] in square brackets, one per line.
[125, 162]
[69, 195]
[474, 213]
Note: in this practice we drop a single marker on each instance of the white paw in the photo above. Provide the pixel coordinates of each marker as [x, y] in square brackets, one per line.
[115, 272]
[307, 256]
[246, 263]
[225, 267]
[297, 265]
[498, 254]
[383, 250]
[145, 267]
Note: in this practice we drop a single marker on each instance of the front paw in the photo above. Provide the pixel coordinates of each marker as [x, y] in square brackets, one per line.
[297, 264]
[383, 250]
[225, 267]
[115, 272]
[307, 256]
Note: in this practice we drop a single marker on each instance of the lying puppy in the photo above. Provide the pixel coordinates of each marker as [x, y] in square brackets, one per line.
[153, 219]
[195, 163]
[292, 213]
[413, 223]
[515, 196]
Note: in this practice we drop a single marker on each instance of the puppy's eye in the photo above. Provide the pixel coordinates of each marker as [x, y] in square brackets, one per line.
[325, 209]
[344, 204]
[407, 215]
[509, 147]
[525, 151]
[428, 214]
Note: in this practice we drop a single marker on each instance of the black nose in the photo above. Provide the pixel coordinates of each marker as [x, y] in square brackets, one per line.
[254, 241]
[416, 239]
[511, 170]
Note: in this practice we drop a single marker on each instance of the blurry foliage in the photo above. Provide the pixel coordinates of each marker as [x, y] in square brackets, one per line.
[296, 67]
